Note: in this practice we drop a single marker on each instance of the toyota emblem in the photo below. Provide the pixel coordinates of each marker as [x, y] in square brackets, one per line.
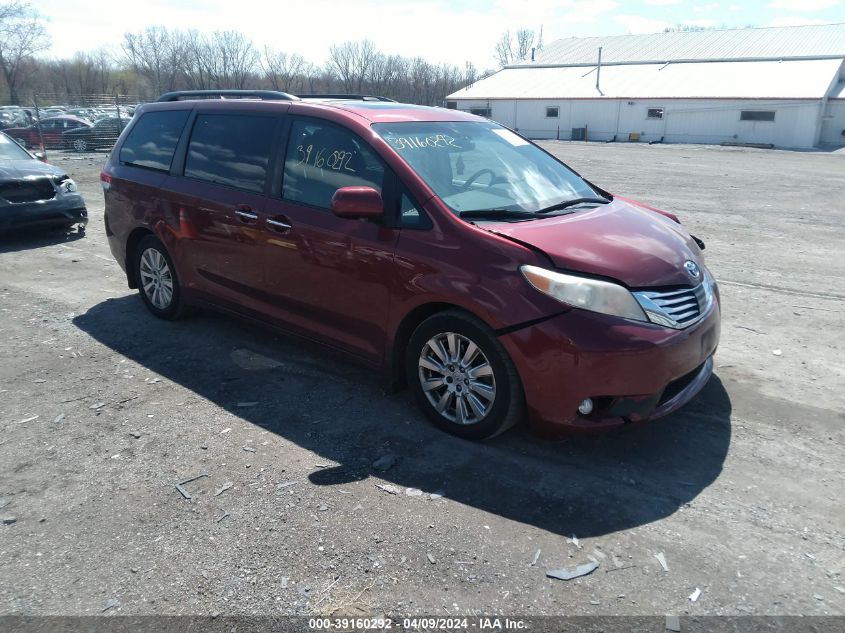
[692, 268]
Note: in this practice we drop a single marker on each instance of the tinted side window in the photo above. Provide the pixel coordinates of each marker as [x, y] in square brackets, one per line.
[153, 140]
[321, 158]
[231, 150]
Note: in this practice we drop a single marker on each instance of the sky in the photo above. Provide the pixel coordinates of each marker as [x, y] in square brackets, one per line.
[450, 31]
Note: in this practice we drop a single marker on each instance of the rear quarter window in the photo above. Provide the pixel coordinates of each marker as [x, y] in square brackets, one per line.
[152, 141]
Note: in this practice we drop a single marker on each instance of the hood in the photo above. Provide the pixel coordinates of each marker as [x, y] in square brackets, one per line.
[17, 169]
[631, 244]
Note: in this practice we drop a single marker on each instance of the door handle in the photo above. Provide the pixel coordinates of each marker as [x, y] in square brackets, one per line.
[278, 225]
[246, 216]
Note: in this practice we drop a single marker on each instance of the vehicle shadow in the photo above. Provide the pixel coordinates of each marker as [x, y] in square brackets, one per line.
[24, 240]
[587, 486]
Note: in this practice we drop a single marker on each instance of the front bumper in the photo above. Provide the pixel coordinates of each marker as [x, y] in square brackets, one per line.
[632, 371]
[60, 211]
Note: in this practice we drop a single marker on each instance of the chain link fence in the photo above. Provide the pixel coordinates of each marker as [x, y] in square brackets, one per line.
[67, 123]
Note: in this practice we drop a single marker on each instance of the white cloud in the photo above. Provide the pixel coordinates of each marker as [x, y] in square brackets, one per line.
[709, 8]
[639, 24]
[662, 3]
[795, 20]
[804, 5]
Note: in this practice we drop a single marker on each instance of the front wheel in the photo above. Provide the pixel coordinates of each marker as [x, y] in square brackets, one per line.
[462, 377]
[80, 144]
[157, 280]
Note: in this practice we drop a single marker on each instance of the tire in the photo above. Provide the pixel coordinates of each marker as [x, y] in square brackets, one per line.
[158, 283]
[80, 145]
[485, 380]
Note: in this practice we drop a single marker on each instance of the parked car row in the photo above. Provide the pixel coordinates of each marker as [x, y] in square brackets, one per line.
[70, 132]
[78, 128]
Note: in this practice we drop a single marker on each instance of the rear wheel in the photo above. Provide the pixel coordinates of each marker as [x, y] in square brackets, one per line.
[462, 377]
[158, 284]
[80, 144]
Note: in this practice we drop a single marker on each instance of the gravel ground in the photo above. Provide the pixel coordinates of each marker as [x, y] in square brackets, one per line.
[104, 409]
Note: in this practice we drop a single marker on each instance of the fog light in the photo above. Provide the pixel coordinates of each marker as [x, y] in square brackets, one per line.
[586, 406]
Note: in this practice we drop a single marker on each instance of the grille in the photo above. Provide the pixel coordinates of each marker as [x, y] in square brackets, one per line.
[678, 308]
[31, 190]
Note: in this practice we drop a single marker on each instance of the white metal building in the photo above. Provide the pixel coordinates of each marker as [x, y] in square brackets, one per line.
[780, 86]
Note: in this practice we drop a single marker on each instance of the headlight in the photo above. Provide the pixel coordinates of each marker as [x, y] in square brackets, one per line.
[68, 186]
[585, 293]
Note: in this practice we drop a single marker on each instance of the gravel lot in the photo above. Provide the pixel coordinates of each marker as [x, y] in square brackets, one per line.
[104, 409]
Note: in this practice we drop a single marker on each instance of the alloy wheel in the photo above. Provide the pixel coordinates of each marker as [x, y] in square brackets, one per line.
[457, 378]
[156, 278]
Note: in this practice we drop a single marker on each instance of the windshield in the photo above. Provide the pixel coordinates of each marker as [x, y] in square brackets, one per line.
[476, 166]
[9, 150]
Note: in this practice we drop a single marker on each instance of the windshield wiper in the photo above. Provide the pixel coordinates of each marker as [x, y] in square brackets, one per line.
[497, 214]
[571, 203]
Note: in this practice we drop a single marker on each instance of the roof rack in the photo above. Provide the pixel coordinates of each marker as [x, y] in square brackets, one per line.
[349, 97]
[264, 95]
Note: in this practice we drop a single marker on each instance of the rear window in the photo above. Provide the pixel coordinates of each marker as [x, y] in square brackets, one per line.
[153, 140]
[231, 150]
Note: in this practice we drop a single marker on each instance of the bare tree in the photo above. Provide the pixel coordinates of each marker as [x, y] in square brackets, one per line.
[517, 47]
[86, 73]
[196, 71]
[158, 60]
[350, 62]
[504, 49]
[233, 59]
[151, 54]
[524, 43]
[310, 78]
[21, 36]
[471, 73]
[283, 70]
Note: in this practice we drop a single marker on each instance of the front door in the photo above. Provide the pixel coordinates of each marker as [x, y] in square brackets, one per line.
[329, 276]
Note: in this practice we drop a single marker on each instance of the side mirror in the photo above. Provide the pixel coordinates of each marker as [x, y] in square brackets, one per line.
[42, 156]
[358, 203]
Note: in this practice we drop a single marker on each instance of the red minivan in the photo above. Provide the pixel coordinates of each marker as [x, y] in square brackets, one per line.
[439, 247]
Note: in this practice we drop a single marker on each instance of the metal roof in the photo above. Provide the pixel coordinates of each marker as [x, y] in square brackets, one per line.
[803, 79]
[789, 42]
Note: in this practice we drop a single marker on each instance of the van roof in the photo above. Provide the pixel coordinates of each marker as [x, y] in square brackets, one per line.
[374, 111]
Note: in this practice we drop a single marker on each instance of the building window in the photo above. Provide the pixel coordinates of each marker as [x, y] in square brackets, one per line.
[485, 112]
[552, 112]
[451, 105]
[757, 115]
[654, 113]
